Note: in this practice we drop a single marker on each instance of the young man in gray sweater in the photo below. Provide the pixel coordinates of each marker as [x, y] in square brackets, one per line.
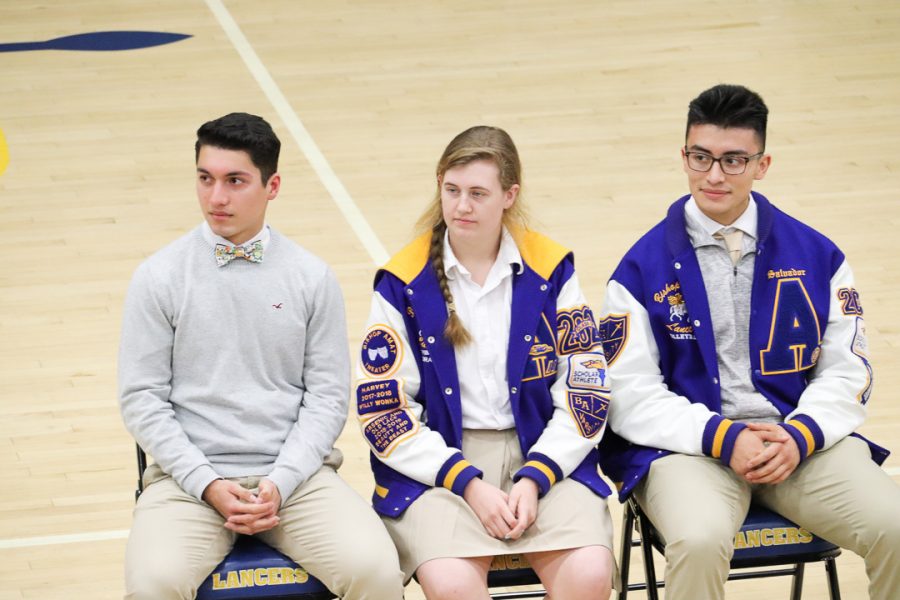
[234, 375]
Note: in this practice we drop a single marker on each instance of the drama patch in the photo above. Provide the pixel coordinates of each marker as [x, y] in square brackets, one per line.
[388, 430]
[576, 330]
[589, 411]
[587, 372]
[614, 333]
[381, 351]
[378, 396]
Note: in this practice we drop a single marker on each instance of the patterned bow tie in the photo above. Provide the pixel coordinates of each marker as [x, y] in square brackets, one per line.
[252, 252]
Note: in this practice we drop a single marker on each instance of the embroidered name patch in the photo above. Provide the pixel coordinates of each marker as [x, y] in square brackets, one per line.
[388, 430]
[614, 333]
[576, 330]
[381, 351]
[589, 411]
[376, 396]
[783, 273]
[587, 371]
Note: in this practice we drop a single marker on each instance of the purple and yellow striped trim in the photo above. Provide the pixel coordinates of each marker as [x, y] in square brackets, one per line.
[542, 469]
[806, 433]
[719, 436]
[456, 474]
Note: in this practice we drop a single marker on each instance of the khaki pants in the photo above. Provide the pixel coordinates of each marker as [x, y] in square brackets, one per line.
[698, 506]
[177, 540]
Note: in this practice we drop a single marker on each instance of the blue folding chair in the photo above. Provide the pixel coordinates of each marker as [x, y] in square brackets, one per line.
[513, 570]
[766, 539]
[252, 570]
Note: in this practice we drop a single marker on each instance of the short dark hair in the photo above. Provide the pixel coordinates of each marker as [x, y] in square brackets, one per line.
[242, 131]
[729, 106]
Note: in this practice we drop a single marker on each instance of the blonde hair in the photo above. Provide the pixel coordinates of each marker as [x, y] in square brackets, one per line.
[481, 142]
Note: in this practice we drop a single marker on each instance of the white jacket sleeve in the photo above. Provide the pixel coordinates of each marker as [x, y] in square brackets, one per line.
[643, 409]
[388, 381]
[580, 394]
[833, 404]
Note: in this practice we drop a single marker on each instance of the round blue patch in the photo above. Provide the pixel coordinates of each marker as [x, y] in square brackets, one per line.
[381, 351]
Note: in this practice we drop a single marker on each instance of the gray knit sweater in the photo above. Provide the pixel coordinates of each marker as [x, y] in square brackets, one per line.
[236, 370]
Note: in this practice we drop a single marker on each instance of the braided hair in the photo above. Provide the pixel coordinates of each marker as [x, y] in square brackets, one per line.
[476, 143]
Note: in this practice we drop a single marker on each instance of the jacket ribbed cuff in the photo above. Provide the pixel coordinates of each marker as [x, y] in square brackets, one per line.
[719, 436]
[806, 433]
[456, 474]
[542, 469]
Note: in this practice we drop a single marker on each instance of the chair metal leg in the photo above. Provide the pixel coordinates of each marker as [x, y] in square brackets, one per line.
[834, 587]
[649, 567]
[797, 581]
[625, 566]
[649, 539]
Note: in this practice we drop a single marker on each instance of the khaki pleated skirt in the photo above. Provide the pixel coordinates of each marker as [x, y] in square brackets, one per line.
[440, 524]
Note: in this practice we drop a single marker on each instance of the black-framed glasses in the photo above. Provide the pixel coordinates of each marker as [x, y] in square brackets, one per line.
[731, 164]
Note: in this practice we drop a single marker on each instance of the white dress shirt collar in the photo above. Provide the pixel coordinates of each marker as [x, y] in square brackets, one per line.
[747, 222]
[507, 255]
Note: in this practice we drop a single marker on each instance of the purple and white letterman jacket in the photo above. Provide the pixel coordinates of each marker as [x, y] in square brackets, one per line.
[407, 389]
[808, 350]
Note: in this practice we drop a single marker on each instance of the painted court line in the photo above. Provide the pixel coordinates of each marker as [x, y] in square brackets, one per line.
[54, 540]
[307, 145]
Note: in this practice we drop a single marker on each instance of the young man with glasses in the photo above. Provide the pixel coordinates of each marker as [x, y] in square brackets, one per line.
[739, 368]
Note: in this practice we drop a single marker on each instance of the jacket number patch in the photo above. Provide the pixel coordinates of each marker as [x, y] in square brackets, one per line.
[576, 330]
[795, 337]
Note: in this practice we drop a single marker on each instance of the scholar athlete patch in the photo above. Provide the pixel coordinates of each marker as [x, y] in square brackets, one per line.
[614, 333]
[377, 396]
[589, 411]
[381, 351]
[587, 371]
[388, 430]
[576, 330]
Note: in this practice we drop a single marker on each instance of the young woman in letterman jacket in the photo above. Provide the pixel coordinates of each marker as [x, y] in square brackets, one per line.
[482, 391]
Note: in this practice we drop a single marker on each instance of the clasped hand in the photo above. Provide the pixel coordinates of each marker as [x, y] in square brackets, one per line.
[244, 511]
[764, 453]
[504, 516]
